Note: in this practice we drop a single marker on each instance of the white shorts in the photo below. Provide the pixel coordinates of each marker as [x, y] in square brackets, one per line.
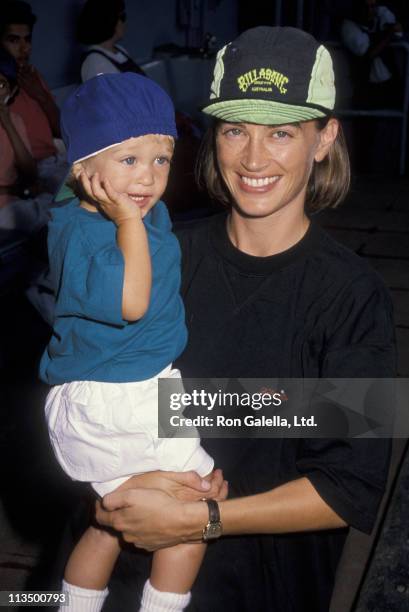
[104, 433]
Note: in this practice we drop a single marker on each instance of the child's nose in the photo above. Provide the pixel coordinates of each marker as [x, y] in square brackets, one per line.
[144, 175]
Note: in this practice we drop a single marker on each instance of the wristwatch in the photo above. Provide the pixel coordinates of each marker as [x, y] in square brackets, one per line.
[214, 527]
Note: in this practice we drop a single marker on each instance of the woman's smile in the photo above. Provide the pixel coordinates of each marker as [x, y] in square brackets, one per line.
[266, 167]
[261, 184]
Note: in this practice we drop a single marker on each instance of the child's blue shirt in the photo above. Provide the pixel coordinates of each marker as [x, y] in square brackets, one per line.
[91, 340]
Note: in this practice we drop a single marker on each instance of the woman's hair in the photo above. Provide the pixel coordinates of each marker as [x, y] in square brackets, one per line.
[327, 186]
[330, 178]
[98, 20]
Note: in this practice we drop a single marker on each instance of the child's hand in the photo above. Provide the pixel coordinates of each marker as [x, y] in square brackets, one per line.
[119, 207]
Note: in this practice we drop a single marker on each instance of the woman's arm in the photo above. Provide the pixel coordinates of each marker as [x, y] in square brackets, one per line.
[293, 506]
[151, 519]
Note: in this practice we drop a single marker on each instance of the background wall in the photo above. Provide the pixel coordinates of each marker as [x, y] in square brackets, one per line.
[150, 23]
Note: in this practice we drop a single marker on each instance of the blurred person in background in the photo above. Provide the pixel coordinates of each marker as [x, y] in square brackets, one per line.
[23, 208]
[367, 34]
[17, 166]
[101, 25]
[33, 101]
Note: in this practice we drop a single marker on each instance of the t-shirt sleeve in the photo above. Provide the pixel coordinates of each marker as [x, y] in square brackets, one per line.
[386, 17]
[350, 474]
[94, 64]
[92, 285]
[355, 40]
[361, 342]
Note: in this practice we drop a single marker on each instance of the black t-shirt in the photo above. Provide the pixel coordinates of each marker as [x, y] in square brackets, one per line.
[315, 310]
[302, 313]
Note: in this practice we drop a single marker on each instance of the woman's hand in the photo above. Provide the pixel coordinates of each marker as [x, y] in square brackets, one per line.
[151, 519]
[184, 486]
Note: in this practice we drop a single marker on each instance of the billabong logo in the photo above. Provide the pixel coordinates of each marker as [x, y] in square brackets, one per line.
[262, 79]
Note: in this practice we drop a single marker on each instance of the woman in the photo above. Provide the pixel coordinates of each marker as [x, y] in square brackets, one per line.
[101, 25]
[269, 294]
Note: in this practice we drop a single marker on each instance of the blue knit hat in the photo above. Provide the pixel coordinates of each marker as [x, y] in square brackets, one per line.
[110, 108]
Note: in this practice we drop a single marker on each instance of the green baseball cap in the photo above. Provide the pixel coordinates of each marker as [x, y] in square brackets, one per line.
[272, 76]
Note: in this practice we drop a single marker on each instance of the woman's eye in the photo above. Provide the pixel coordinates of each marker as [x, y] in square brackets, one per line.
[233, 132]
[281, 134]
[129, 161]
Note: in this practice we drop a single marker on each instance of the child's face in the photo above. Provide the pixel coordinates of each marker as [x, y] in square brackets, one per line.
[138, 167]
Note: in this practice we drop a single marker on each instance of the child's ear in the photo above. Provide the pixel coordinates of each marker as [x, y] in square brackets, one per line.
[77, 169]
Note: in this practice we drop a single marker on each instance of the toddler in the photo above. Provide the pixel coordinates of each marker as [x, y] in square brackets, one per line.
[119, 322]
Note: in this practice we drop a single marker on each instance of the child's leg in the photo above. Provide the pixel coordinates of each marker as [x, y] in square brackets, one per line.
[173, 573]
[91, 562]
[175, 569]
[89, 569]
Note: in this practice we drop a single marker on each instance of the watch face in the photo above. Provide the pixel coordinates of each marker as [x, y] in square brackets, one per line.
[213, 530]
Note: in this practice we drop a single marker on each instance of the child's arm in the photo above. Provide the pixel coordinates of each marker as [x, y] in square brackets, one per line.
[132, 241]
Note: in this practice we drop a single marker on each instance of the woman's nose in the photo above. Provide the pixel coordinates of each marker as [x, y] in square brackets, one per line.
[255, 157]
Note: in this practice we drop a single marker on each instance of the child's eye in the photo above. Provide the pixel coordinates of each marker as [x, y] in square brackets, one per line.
[162, 160]
[128, 161]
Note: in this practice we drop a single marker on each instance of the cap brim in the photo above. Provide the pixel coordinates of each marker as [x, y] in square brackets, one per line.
[264, 112]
